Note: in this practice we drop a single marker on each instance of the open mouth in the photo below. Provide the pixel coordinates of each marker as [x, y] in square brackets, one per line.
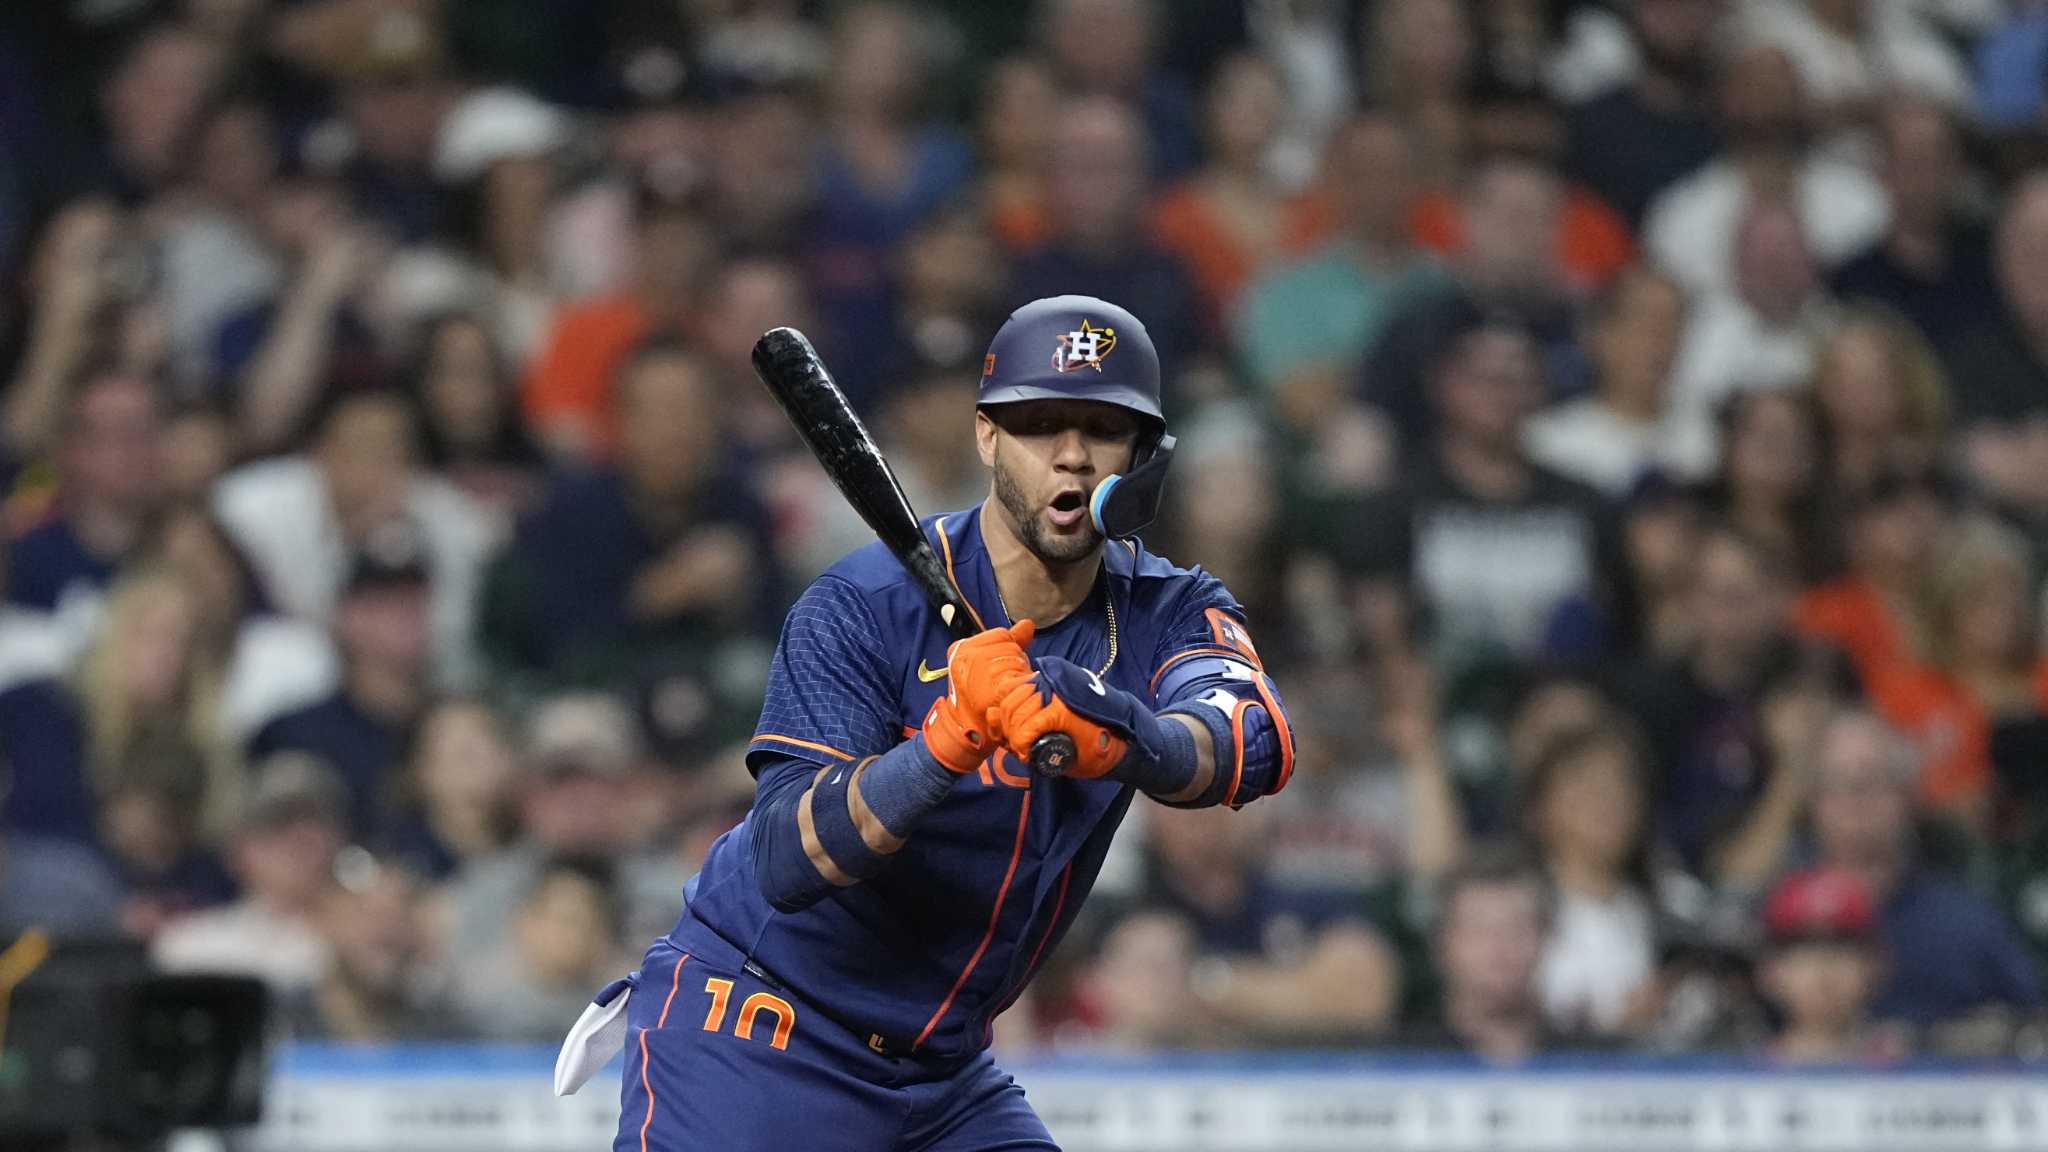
[1069, 508]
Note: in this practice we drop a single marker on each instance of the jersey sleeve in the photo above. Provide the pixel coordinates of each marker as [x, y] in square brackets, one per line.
[1204, 619]
[1208, 668]
[831, 696]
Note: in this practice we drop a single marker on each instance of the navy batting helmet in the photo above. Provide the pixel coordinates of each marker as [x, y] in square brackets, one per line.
[1082, 348]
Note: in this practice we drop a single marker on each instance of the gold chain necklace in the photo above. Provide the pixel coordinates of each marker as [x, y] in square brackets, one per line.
[1108, 613]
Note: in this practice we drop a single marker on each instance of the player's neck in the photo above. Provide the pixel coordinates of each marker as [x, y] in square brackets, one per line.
[1031, 588]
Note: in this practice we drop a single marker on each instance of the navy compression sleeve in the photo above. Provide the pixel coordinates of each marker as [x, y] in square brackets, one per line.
[805, 836]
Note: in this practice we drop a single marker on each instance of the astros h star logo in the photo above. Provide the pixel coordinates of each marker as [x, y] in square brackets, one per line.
[1084, 347]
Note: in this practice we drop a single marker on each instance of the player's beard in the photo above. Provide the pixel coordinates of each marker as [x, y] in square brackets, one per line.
[1028, 519]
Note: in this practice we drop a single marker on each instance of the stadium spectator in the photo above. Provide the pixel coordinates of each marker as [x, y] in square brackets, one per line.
[1850, 55]
[1729, 782]
[1631, 143]
[149, 104]
[636, 570]
[1949, 953]
[217, 256]
[952, 273]
[1608, 439]
[885, 167]
[394, 92]
[302, 520]
[283, 854]
[1984, 672]
[1763, 335]
[279, 359]
[273, 663]
[1487, 546]
[565, 938]
[1099, 244]
[1770, 480]
[581, 753]
[1015, 142]
[1228, 221]
[457, 798]
[363, 728]
[566, 396]
[1882, 398]
[1821, 967]
[495, 157]
[469, 417]
[1508, 265]
[1321, 314]
[1878, 613]
[749, 295]
[1492, 914]
[1276, 966]
[762, 179]
[1768, 128]
[1592, 242]
[1933, 265]
[1419, 60]
[1585, 809]
[73, 284]
[1111, 49]
[151, 832]
[107, 492]
[2001, 377]
[1661, 531]
[373, 990]
[1140, 990]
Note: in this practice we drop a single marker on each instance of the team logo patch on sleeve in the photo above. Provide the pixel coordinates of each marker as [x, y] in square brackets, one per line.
[1233, 635]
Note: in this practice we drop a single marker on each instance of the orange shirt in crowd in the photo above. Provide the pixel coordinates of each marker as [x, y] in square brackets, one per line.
[1593, 245]
[1850, 615]
[1934, 708]
[1187, 225]
[568, 391]
[1020, 222]
[1953, 732]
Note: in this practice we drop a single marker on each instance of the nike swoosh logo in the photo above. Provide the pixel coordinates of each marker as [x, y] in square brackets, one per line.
[927, 675]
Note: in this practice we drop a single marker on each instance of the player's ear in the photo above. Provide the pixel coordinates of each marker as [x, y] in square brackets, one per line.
[985, 437]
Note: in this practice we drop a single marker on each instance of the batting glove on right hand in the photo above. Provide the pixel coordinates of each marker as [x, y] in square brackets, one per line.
[963, 728]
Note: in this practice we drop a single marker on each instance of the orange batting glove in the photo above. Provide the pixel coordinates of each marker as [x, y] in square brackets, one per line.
[1033, 708]
[961, 729]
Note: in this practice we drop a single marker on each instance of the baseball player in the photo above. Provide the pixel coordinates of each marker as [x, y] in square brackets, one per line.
[833, 980]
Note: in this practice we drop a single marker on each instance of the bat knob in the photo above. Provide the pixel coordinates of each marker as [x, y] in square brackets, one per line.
[1053, 754]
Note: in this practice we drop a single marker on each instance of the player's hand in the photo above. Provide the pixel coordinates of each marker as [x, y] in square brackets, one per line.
[1064, 697]
[962, 728]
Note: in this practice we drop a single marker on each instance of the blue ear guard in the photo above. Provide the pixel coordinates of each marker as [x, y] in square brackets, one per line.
[1123, 505]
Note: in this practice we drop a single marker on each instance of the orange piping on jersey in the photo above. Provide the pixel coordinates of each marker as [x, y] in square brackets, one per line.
[995, 765]
[995, 916]
[1059, 902]
[647, 1085]
[1279, 720]
[1177, 657]
[827, 750]
[946, 545]
[1237, 738]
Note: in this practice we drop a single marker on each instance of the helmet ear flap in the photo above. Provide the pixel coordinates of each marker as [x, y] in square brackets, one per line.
[1123, 505]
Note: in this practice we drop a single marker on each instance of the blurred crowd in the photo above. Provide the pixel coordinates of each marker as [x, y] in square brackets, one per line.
[1624, 421]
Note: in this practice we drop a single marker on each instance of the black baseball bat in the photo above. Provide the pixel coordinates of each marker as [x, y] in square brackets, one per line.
[801, 384]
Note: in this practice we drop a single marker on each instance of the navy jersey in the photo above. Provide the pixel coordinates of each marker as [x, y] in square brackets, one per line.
[923, 956]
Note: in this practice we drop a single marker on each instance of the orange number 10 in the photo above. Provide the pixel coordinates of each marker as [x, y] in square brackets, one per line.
[721, 996]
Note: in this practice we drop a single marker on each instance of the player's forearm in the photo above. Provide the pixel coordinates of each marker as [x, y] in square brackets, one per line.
[843, 825]
[1198, 776]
